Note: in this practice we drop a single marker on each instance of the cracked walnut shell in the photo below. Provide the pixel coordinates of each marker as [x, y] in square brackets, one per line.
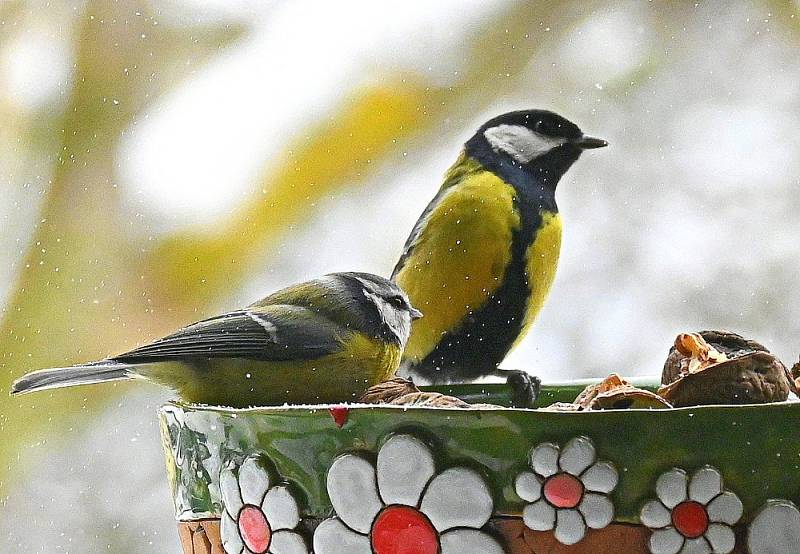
[720, 367]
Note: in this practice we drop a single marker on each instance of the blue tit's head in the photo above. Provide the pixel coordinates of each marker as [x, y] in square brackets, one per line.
[381, 308]
[539, 142]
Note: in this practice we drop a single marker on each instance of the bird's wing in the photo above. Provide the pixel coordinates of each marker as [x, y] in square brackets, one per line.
[462, 171]
[457, 256]
[271, 333]
[412, 239]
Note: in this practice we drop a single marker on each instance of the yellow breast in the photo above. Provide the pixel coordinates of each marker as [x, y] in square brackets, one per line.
[338, 377]
[542, 261]
[468, 234]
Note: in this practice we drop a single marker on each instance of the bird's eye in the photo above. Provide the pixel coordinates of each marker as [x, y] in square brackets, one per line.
[398, 301]
[545, 128]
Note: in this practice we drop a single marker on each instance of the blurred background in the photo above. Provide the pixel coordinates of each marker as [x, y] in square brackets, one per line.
[163, 160]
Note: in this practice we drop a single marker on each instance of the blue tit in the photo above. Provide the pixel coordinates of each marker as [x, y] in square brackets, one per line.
[482, 256]
[325, 340]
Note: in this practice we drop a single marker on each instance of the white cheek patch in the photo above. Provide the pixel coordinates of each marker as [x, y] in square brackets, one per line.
[399, 322]
[520, 143]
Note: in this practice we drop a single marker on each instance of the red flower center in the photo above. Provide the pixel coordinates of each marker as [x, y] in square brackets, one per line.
[563, 490]
[403, 530]
[690, 519]
[254, 529]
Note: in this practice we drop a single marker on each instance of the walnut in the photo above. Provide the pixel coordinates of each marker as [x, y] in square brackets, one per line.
[562, 407]
[430, 400]
[388, 390]
[729, 344]
[720, 367]
[403, 392]
[615, 393]
[795, 373]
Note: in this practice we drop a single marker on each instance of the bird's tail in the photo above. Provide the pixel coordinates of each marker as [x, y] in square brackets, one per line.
[56, 377]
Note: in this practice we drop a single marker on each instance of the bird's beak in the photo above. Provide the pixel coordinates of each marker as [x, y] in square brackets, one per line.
[590, 142]
[415, 313]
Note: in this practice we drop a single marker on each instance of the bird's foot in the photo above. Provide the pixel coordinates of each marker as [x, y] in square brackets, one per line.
[524, 387]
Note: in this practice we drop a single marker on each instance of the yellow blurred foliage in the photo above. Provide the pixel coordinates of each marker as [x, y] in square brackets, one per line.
[330, 156]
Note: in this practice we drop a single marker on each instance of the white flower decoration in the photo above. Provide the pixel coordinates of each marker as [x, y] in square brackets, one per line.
[568, 490]
[776, 528]
[260, 516]
[401, 505]
[692, 515]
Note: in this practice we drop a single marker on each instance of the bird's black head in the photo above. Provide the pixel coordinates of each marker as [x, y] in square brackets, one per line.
[541, 143]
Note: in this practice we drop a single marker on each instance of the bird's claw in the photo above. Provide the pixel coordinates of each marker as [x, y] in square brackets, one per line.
[524, 388]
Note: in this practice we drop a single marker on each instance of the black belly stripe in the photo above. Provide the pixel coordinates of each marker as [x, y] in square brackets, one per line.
[484, 338]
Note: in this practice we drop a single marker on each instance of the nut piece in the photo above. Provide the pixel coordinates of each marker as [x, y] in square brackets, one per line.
[386, 392]
[719, 367]
[698, 353]
[723, 342]
[615, 393]
[561, 407]
[430, 400]
[403, 392]
[437, 400]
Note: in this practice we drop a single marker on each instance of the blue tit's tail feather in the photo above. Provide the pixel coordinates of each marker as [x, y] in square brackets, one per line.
[56, 377]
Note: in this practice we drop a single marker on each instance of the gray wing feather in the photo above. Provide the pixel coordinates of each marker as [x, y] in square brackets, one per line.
[270, 333]
[56, 377]
[419, 226]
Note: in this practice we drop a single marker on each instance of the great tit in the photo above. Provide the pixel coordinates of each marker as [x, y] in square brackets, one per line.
[482, 256]
[325, 340]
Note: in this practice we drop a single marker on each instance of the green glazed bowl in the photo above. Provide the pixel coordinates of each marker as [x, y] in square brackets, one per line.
[369, 478]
